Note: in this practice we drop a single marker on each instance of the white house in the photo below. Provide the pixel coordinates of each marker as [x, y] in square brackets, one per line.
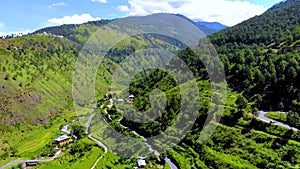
[141, 163]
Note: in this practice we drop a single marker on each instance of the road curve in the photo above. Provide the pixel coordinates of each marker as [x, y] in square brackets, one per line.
[262, 117]
[88, 125]
[172, 165]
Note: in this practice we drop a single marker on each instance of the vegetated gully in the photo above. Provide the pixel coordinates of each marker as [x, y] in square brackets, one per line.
[172, 165]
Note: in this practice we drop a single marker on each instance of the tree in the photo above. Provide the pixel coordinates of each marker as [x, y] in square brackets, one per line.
[241, 102]
[293, 119]
[78, 131]
[7, 76]
[280, 106]
[255, 111]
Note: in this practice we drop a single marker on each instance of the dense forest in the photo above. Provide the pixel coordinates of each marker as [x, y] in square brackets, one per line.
[261, 58]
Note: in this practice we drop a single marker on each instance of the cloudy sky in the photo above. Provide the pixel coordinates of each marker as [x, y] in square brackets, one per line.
[27, 15]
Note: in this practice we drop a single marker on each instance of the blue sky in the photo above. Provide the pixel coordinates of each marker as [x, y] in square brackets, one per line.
[28, 15]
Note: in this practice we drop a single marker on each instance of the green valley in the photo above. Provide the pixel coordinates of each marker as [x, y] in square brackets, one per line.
[135, 121]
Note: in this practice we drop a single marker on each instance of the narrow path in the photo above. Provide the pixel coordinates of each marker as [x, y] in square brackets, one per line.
[24, 161]
[262, 117]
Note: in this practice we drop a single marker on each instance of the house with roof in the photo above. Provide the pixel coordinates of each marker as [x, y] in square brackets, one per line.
[62, 139]
[141, 163]
[130, 98]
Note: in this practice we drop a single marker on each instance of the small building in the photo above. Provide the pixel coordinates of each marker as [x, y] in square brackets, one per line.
[130, 98]
[141, 163]
[62, 139]
[121, 101]
[30, 164]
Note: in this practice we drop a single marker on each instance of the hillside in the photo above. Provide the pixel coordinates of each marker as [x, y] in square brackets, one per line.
[36, 91]
[261, 56]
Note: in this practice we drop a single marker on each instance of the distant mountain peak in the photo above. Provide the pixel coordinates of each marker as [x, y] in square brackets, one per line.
[206, 27]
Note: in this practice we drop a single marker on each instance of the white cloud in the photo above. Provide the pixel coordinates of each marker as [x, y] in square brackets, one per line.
[100, 1]
[1, 25]
[74, 19]
[123, 8]
[58, 4]
[223, 11]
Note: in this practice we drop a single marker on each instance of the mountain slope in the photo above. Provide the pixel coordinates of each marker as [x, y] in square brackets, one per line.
[75, 32]
[207, 28]
[80, 32]
[261, 58]
[276, 25]
[210, 27]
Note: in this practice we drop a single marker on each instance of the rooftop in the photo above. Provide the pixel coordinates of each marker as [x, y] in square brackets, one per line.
[62, 138]
[141, 163]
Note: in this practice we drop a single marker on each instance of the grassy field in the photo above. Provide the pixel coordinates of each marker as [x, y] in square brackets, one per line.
[277, 116]
[3, 162]
[30, 143]
[37, 141]
[68, 162]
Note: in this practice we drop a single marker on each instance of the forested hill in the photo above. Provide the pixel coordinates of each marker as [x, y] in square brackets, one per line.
[276, 25]
[261, 58]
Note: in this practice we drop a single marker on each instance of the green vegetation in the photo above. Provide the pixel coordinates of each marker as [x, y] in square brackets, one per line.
[36, 92]
[81, 154]
[277, 116]
[260, 58]
[232, 147]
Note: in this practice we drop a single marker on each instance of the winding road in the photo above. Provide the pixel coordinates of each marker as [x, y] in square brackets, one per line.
[88, 125]
[262, 117]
